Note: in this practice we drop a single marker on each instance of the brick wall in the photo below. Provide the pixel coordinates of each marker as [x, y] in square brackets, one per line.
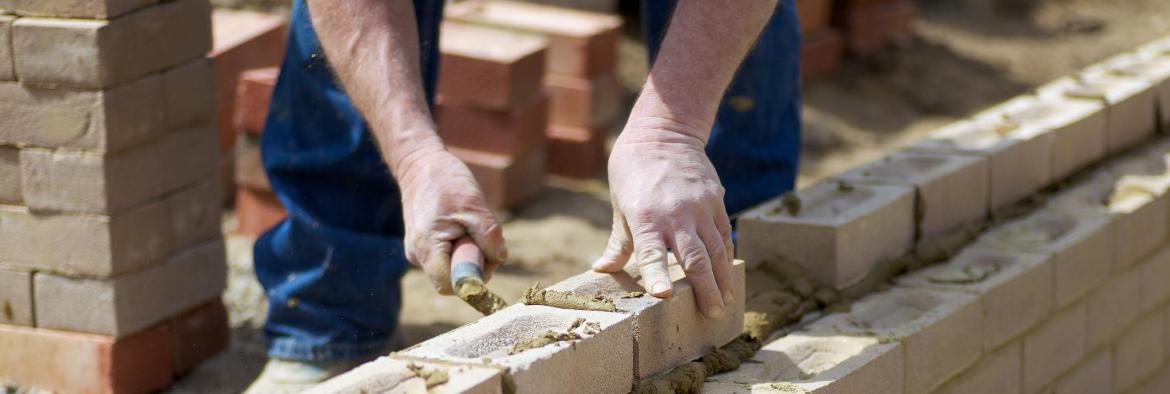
[111, 259]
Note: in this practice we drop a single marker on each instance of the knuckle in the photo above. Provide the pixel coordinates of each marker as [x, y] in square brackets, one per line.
[648, 256]
[696, 263]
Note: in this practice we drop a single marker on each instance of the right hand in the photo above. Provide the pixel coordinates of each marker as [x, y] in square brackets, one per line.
[441, 202]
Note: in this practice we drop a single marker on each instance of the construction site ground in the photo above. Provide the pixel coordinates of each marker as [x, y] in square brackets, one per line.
[958, 61]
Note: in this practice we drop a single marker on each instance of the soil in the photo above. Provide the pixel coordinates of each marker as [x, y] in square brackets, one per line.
[962, 57]
[476, 294]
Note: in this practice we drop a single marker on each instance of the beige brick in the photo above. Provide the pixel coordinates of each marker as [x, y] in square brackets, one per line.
[6, 72]
[823, 364]
[189, 101]
[1129, 105]
[1146, 66]
[667, 332]
[1014, 289]
[1093, 376]
[1014, 170]
[104, 53]
[9, 175]
[1079, 241]
[388, 374]
[940, 332]
[110, 120]
[88, 245]
[1112, 307]
[602, 362]
[999, 372]
[76, 181]
[195, 214]
[952, 191]
[1139, 217]
[1159, 384]
[1155, 278]
[1138, 353]
[83, 9]
[837, 235]
[1077, 126]
[16, 298]
[129, 303]
[1054, 347]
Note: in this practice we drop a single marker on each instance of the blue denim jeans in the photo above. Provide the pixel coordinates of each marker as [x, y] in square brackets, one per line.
[332, 269]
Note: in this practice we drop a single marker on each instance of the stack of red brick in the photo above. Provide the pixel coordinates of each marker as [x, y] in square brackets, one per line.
[821, 45]
[257, 207]
[870, 24]
[111, 258]
[581, 67]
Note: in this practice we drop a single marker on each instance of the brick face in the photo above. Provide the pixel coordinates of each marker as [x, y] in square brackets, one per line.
[515, 131]
[83, 9]
[6, 72]
[506, 181]
[1077, 126]
[110, 120]
[488, 67]
[253, 96]
[9, 175]
[1130, 115]
[1138, 353]
[579, 102]
[1094, 375]
[198, 334]
[16, 298]
[1054, 347]
[576, 152]
[1111, 307]
[819, 363]
[104, 53]
[241, 41]
[998, 372]
[1155, 278]
[85, 363]
[389, 374]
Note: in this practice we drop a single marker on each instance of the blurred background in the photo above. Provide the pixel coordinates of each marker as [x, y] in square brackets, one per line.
[876, 74]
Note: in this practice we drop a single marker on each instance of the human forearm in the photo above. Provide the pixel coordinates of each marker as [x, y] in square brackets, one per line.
[373, 49]
[706, 42]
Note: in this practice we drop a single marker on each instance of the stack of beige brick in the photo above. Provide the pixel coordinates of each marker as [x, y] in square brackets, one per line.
[1073, 296]
[111, 260]
[1067, 292]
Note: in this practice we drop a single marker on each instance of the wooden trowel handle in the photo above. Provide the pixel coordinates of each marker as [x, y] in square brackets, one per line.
[466, 261]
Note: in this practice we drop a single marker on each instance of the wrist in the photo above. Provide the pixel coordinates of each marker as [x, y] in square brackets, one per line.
[410, 152]
[653, 118]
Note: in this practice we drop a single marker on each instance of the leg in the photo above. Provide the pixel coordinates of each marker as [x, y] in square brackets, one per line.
[332, 268]
[755, 144]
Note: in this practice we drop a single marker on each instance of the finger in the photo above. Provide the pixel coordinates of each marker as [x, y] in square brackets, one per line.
[617, 251]
[650, 251]
[720, 263]
[438, 266]
[723, 225]
[482, 226]
[692, 254]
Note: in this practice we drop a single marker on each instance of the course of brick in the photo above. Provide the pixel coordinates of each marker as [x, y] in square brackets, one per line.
[1066, 291]
[111, 259]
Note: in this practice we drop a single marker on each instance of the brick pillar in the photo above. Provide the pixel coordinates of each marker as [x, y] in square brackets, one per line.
[111, 258]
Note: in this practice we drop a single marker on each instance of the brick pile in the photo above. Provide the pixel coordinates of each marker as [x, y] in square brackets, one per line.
[111, 259]
[257, 208]
[580, 75]
[822, 45]
[869, 24]
[1054, 273]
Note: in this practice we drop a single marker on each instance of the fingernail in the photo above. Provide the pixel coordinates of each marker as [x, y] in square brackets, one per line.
[660, 288]
[715, 312]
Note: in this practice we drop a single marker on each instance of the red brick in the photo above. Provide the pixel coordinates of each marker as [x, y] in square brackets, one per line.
[253, 96]
[489, 67]
[820, 53]
[584, 102]
[814, 14]
[85, 363]
[249, 169]
[511, 132]
[576, 152]
[241, 41]
[198, 335]
[506, 180]
[581, 44]
[257, 211]
[869, 25]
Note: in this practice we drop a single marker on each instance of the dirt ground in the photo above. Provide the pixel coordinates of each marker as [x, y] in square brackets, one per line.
[960, 58]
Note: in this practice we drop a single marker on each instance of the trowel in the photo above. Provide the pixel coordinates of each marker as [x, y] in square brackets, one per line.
[467, 278]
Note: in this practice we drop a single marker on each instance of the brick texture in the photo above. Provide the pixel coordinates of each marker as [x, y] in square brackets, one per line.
[1095, 375]
[9, 175]
[257, 211]
[820, 53]
[241, 41]
[837, 235]
[189, 103]
[1111, 308]
[194, 215]
[104, 53]
[998, 372]
[109, 120]
[16, 298]
[129, 303]
[576, 152]
[816, 364]
[198, 334]
[580, 102]
[1077, 126]
[388, 374]
[514, 131]
[1137, 353]
[1155, 278]
[253, 96]
[1054, 347]
[85, 363]
[6, 70]
[1129, 105]
[506, 181]
[83, 9]
[488, 67]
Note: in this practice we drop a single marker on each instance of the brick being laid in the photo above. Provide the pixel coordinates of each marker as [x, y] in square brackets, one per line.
[1130, 107]
[951, 192]
[390, 374]
[109, 52]
[1016, 155]
[490, 68]
[600, 361]
[667, 332]
[65, 180]
[941, 333]
[1079, 241]
[1014, 289]
[820, 363]
[836, 232]
[1078, 128]
[129, 303]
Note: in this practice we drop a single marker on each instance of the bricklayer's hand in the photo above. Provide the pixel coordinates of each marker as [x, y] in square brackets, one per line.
[441, 202]
[666, 194]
